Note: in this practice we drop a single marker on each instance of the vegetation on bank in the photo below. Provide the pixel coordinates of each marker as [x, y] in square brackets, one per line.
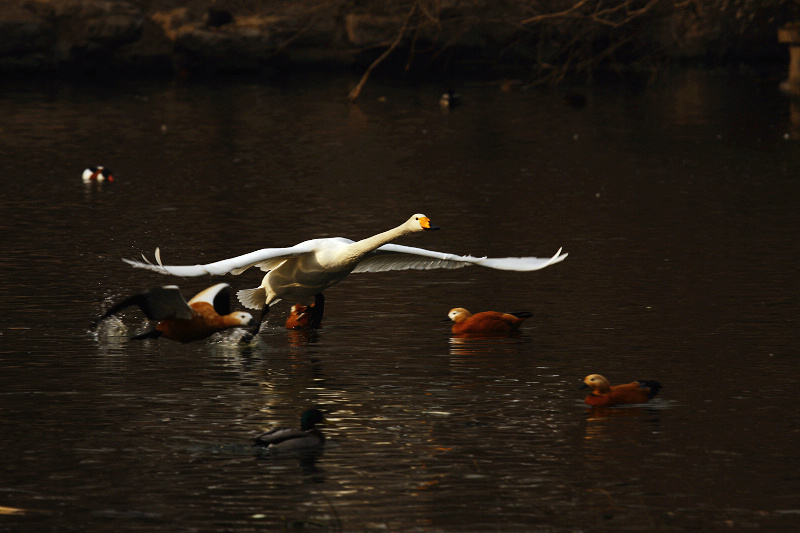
[544, 41]
[550, 40]
[553, 39]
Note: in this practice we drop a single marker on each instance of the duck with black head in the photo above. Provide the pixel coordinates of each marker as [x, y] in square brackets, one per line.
[308, 436]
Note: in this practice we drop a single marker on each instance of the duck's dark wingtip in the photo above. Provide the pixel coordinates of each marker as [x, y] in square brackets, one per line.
[151, 334]
[653, 385]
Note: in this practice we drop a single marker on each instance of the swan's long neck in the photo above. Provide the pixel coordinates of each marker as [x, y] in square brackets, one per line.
[358, 249]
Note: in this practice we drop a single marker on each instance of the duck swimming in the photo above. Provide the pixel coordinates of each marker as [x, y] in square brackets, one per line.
[307, 316]
[97, 174]
[293, 439]
[449, 99]
[486, 322]
[606, 395]
[204, 315]
[306, 269]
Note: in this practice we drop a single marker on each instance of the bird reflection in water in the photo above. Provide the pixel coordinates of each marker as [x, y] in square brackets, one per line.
[794, 113]
[302, 337]
[468, 345]
[609, 431]
[471, 351]
[306, 460]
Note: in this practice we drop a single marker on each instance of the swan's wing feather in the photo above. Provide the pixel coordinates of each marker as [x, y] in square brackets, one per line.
[266, 259]
[523, 264]
[398, 257]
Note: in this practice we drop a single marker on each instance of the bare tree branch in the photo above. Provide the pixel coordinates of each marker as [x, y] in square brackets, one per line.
[564, 13]
[598, 16]
[357, 90]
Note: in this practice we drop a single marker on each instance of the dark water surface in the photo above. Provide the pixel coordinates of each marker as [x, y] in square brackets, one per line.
[678, 205]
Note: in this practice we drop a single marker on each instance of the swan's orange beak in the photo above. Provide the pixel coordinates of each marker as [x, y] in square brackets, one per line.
[425, 222]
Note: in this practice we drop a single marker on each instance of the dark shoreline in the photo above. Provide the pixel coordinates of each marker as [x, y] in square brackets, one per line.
[94, 39]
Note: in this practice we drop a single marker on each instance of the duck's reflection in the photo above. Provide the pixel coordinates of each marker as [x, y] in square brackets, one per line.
[794, 115]
[302, 337]
[306, 460]
[605, 425]
[468, 345]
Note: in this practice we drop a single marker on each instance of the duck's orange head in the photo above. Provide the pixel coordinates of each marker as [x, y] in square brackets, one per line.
[458, 314]
[298, 310]
[597, 383]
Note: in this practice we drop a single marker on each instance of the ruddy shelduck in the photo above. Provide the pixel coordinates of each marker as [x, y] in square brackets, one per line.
[182, 321]
[307, 316]
[294, 439]
[604, 394]
[97, 174]
[486, 322]
[306, 269]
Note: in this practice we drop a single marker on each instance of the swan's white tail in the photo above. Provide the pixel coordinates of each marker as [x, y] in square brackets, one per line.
[252, 298]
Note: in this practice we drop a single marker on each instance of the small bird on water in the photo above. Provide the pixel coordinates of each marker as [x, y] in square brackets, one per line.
[294, 439]
[307, 316]
[97, 174]
[487, 322]
[604, 394]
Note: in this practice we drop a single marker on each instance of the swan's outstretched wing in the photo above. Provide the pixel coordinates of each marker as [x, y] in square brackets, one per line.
[266, 259]
[398, 257]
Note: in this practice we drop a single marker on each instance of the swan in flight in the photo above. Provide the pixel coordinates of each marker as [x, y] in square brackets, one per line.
[301, 271]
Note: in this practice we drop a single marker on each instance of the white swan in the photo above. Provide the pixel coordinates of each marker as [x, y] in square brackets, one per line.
[306, 269]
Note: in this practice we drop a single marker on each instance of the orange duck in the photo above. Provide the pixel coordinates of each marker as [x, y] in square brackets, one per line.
[604, 394]
[204, 315]
[307, 316]
[487, 322]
